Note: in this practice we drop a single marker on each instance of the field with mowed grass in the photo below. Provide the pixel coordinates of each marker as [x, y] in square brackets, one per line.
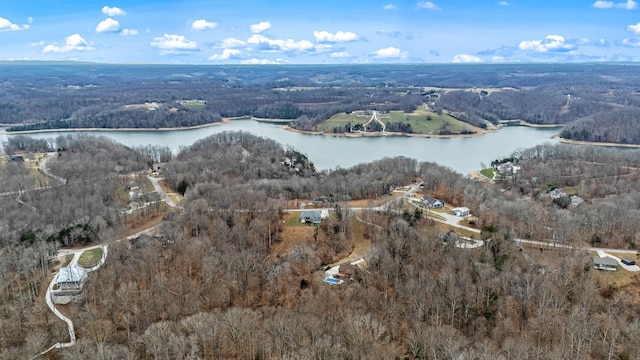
[421, 121]
[90, 258]
[194, 104]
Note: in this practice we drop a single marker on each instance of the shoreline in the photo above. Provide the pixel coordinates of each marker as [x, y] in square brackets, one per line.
[528, 124]
[578, 142]
[224, 121]
[378, 134]
[270, 121]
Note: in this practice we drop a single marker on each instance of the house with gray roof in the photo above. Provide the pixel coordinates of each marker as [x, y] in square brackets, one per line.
[69, 280]
[432, 202]
[604, 263]
[311, 217]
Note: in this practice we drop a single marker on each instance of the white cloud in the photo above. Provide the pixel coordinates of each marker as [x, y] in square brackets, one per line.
[260, 27]
[551, 43]
[630, 42]
[38, 44]
[428, 5]
[635, 28]
[390, 53]
[340, 36]
[108, 25]
[264, 43]
[6, 25]
[173, 44]
[603, 4]
[129, 32]
[628, 5]
[73, 42]
[466, 58]
[257, 62]
[389, 7]
[113, 11]
[230, 43]
[340, 55]
[503, 3]
[226, 54]
[202, 24]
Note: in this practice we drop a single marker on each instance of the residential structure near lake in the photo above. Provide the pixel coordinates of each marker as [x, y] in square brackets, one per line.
[69, 280]
[604, 263]
[432, 202]
[311, 217]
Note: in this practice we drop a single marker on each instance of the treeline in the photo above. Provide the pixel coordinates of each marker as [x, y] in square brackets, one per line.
[223, 159]
[164, 117]
[26, 144]
[618, 126]
[49, 211]
[210, 298]
[555, 104]
[218, 281]
[35, 97]
[210, 285]
[607, 180]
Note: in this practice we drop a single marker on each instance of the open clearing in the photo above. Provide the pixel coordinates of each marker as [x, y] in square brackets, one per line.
[193, 104]
[90, 258]
[421, 121]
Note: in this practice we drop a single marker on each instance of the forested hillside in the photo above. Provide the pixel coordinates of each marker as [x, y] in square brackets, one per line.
[602, 98]
[619, 126]
[225, 278]
[81, 210]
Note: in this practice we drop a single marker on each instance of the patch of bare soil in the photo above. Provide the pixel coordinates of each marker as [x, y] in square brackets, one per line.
[361, 245]
[138, 226]
[295, 204]
[176, 197]
[373, 202]
[290, 237]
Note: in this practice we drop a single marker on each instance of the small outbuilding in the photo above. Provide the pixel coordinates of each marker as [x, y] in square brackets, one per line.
[627, 261]
[460, 211]
[604, 263]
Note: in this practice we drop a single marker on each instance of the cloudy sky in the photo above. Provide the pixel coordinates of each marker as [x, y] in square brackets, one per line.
[320, 32]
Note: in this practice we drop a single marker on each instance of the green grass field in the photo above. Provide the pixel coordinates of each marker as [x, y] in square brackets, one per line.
[90, 258]
[422, 122]
[293, 219]
[193, 104]
[488, 172]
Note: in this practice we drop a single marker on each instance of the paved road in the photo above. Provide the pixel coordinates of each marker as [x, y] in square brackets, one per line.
[76, 255]
[155, 181]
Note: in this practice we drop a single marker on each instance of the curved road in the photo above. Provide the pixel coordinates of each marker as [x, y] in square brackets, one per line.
[155, 181]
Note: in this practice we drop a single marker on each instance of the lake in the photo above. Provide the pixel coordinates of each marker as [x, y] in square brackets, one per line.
[460, 154]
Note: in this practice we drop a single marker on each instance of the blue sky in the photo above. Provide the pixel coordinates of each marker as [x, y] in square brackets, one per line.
[320, 32]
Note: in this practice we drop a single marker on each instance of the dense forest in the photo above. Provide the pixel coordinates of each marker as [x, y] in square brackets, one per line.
[221, 278]
[599, 101]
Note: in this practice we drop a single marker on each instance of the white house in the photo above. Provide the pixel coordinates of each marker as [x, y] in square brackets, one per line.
[460, 211]
[69, 279]
[432, 202]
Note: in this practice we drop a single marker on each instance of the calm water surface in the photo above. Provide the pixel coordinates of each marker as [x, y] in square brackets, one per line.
[460, 154]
